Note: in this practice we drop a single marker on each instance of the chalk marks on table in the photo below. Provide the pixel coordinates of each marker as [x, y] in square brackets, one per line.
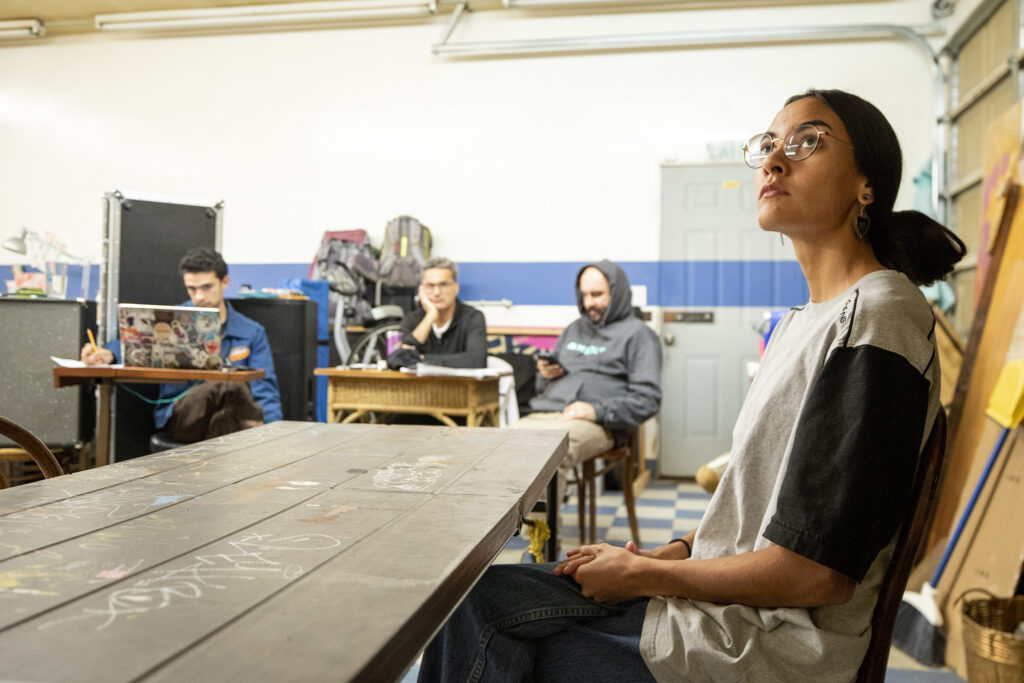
[248, 558]
[410, 476]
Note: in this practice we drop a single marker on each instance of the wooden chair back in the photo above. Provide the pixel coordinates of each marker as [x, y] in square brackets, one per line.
[912, 536]
[36, 449]
[585, 479]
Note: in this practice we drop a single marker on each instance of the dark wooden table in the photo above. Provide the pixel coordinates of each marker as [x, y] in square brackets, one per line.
[109, 375]
[290, 552]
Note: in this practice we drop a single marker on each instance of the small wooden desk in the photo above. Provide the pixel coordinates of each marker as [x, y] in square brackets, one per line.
[294, 551]
[107, 376]
[359, 392]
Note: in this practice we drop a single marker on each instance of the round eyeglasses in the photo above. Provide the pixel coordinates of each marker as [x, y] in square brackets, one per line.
[799, 144]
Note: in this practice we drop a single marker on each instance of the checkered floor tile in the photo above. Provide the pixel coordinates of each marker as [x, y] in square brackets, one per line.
[665, 510]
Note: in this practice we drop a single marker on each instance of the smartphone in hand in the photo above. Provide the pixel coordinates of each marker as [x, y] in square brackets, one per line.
[550, 358]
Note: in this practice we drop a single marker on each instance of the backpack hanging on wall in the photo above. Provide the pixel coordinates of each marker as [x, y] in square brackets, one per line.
[403, 251]
[406, 246]
[345, 259]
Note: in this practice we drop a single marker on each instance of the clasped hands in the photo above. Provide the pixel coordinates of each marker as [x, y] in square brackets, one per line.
[611, 574]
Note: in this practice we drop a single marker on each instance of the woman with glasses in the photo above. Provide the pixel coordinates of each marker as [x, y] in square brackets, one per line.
[780, 580]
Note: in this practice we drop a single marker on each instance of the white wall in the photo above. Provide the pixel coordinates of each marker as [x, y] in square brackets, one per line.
[542, 158]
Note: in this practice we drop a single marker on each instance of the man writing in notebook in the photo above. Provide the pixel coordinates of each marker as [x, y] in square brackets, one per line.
[204, 410]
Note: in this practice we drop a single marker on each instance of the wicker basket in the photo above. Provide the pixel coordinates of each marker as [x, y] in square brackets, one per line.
[994, 653]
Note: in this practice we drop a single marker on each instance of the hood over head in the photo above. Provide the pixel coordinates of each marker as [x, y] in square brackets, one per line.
[621, 305]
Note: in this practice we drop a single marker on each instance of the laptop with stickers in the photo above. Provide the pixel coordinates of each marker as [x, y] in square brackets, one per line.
[181, 337]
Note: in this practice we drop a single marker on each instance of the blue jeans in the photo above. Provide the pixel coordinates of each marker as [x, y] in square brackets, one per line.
[523, 623]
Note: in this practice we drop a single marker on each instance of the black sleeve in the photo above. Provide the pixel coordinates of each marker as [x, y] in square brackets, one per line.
[851, 469]
[473, 353]
[409, 322]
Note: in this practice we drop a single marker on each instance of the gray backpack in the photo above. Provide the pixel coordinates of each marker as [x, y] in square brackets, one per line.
[346, 261]
[405, 248]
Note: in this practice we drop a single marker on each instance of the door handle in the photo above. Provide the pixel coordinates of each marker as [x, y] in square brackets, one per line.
[668, 338]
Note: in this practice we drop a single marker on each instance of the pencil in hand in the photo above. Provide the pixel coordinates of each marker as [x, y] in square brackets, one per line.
[92, 340]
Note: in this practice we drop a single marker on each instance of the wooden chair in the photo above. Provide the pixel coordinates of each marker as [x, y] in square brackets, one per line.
[28, 442]
[912, 536]
[586, 475]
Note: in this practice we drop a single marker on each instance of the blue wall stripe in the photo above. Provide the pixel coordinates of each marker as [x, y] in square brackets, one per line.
[731, 283]
[669, 283]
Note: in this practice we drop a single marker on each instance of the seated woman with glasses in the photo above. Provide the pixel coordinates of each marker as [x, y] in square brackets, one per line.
[779, 581]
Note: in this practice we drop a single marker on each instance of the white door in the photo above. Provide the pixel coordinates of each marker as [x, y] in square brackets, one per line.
[719, 274]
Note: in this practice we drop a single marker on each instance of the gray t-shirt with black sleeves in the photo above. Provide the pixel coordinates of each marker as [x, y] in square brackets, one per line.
[823, 460]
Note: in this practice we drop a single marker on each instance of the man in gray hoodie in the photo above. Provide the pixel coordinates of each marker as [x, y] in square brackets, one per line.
[605, 378]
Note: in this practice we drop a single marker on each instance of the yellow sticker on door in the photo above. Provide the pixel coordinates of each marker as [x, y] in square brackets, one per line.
[238, 353]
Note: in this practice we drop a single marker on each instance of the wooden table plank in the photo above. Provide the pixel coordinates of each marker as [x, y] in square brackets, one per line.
[38, 527]
[371, 374]
[155, 616]
[405, 579]
[80, 566]
[43, 492]
[63, 377]
[409, 575]
[339, 549]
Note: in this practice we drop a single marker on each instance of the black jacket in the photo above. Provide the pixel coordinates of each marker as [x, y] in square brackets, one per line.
[463, 344]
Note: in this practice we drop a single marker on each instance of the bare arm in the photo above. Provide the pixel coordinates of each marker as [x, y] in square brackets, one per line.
[771, 577]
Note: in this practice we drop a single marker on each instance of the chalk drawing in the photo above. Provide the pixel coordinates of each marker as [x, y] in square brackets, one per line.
[247, 559]
[123, 502]
[119, 572]
[164, 500]
[409, 476]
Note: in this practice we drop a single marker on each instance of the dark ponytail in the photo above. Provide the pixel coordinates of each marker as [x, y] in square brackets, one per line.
[915, 245]
[907, 241]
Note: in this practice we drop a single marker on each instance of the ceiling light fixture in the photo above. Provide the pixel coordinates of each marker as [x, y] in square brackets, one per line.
[264, 15]
[21, 28]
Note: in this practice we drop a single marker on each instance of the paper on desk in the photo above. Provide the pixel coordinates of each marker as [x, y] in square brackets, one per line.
[73, 363]
[427, 370]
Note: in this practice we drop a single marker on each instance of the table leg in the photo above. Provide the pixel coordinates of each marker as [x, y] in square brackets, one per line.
[84, 455]
[353, 416]
[473, 419]
[551, 551]
[332, 413]
[450, 422]
[103, 425]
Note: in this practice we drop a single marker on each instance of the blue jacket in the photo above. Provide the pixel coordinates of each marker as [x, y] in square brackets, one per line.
[238, 331]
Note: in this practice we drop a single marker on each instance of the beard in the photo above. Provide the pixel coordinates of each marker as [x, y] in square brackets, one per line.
[595, 314]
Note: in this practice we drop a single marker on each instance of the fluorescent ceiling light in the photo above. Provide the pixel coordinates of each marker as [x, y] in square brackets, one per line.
[264, 15]
[21, 28]
[684, 39]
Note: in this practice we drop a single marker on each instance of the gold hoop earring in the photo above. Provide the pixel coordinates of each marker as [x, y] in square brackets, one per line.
[862, 223]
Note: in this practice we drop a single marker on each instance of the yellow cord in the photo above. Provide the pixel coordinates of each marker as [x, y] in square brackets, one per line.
[539, 533]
